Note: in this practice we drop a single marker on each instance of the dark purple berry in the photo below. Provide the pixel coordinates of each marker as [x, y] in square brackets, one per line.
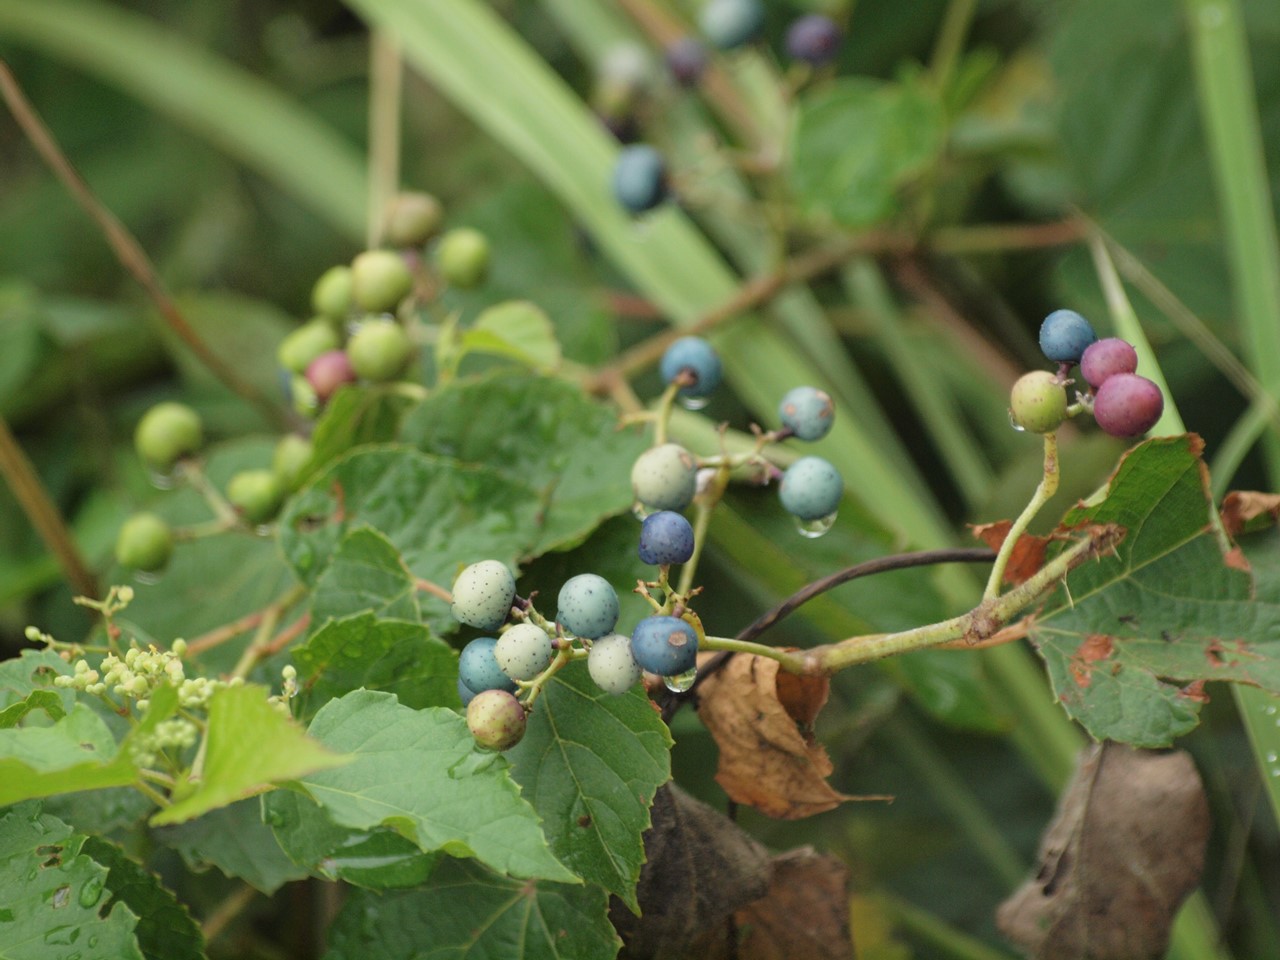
[1105, 358]
[813, 39]
[1064, 334]
[1127, 405]
[666, 537]
[686, 59]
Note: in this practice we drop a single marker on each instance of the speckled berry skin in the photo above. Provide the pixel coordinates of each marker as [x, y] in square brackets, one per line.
[813, 39]
[1064, 335]
[1127, 405]
[663, 645]
[379, 350]
[1038, 402]
[1105, 358]
[697, 356]
[611, 664]
[639, 178]
[807, 412]
[587, 606]
[731, 23]
[167, 433]
[524, 651]
[380, 279]
[478, 667]
[665, 477]
[483, 594]
[811, 489]
[666, 537]
[496, 719]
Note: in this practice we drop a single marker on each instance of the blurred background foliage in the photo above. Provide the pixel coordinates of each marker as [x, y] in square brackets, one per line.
[232, 139]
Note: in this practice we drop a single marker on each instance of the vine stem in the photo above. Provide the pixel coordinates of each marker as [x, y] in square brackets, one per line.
[385, 85]
[220, 635]
[226, 911]
[125, 246]
[1045, 489]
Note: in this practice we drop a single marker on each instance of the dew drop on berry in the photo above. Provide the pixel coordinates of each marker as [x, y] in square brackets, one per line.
[1013, 422]
[681, 681]
[693, 403]
[812, 529]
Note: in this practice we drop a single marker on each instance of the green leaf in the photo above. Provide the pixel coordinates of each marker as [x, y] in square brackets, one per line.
[465, 911]
[857, 142]
[76, 753]
[33, 670]
[517, 329]
[378, 859]
[249, 746]
[165, 929]
[590, 763]
[1126, 642]
[365, 574]
[236, 841]
[439, 513]
[46, 700]
[353, 417]
[53, 893]
[390, 655]
[542, 432]
[421, 773]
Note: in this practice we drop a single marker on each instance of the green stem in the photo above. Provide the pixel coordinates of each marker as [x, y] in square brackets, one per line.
[385, 85]
[950, 42]
[1045, 490]
[1233, 448]
[945, 940]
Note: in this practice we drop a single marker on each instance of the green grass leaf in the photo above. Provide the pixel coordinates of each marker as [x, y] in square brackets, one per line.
[590, 763]
[421, 773]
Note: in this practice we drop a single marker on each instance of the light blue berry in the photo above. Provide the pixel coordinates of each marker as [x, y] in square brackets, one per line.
[587, 606]
[667, 646]
[1064, 334]
[478, 668]
[811, 488]
[698, 357]
[639, 178]
[807, 412]
[731, 23]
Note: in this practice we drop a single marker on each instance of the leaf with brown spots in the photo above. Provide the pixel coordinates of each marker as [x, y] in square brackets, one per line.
[1028, 552]
[1124, 850]
[768, 758]
[1241, 507]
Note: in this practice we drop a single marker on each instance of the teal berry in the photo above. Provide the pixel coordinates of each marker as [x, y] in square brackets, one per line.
[478, 667]
[379, 350]
[167, 433]
[811, 489]
[665, 477]
[694, 360]
[465, 693]
[639, 178]
[667, 646]
[496, 719]
[462, 257]
[257, 495]
[331, 295]
[301, 346]
[611, 664]
[731, 23]
[380, 279]
[524, 651]
[145, 543]
[587, 606]
[482, 595]
[1064, 335]
[807, 412]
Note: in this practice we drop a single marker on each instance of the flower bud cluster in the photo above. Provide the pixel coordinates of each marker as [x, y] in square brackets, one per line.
[140, 672]
[288, 689]
[177, 733]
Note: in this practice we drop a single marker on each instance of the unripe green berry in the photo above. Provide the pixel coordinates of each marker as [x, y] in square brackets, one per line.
[166, 433]
[145, 542]
[290, 457]
[257, 494]
[304, 344]
[496, 719]
[380, 279]
[331, 296]
[379, 350]
[463, 258]
[1038, 402]
[412, 219]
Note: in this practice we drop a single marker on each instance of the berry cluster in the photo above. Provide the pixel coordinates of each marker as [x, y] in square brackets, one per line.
[1123, 403]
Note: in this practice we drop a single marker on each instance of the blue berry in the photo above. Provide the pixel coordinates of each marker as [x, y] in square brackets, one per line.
[814, 39]
[639, 178]
[686, 59]
[811, 488]
[731, 23]
[524, 651]
[483, 594]
[587, 606]
[666, 646]
[666, 537]
[1064, 336]
[612, 665]
[692, 355]
[478, 668]
[665, 477]
[807, 412]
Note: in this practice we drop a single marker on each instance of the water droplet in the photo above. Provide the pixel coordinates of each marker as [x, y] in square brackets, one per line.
[1015, 424]
[146, 578]
[92, 941]
[1271, 757]
[1270, 711]
[681, 681]
[61, 897]
[815, 528]
[162, 481]
[692, 403]
[91, 892]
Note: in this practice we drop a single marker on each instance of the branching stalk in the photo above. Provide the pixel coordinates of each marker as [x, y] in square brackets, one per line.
[1045, 490]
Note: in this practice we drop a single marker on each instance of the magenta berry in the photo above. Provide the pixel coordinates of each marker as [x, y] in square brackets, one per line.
[1105, 358]
[329, 371]
[496, 719]
[1127, 405]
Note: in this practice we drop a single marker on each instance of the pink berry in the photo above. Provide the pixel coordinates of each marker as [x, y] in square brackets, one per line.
[1105, 358]
[1127, 405]
[327, 372]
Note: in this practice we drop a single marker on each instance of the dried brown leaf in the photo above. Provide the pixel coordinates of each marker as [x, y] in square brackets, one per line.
[768, 758]
[1028, 552]
[1124, 850]
[1239, 507]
